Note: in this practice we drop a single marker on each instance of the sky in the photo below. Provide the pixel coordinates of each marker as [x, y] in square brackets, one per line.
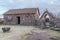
[52, 5]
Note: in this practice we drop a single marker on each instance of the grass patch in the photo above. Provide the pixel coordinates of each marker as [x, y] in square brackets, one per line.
[55, 30]
[57, 38]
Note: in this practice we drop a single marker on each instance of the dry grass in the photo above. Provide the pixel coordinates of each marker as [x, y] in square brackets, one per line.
[19, 32]
[16, 32]
[53, 34]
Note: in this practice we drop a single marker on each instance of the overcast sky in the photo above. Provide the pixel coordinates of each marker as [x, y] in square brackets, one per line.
[52, 5]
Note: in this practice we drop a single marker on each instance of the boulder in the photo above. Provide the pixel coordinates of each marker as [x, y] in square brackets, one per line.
[6, 29]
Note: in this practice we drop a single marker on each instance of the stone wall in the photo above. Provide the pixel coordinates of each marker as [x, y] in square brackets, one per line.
[53, 23]
[24, 19]
[57, 21]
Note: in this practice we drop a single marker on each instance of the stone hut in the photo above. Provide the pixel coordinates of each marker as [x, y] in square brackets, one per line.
[26, 16]
[47, 18]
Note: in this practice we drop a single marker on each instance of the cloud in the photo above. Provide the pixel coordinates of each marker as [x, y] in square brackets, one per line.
[27, 3]
[2, 3]
[42, 4]
[11, 1]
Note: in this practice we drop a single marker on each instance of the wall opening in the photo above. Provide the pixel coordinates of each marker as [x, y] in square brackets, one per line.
[18, 18]
[47, 20]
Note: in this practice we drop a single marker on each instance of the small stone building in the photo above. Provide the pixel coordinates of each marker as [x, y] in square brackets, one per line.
[26, 16]
[46, 19]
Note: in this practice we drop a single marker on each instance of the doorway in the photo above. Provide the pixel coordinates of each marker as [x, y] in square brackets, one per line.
[47, 20]
[18, 19]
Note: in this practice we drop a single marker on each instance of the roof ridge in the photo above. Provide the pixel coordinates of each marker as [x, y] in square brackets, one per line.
[24, 8]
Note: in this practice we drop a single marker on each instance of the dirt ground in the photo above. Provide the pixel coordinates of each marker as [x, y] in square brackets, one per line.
[19, 32]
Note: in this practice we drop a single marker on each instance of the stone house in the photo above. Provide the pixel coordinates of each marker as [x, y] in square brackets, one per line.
[46, 19]
[26, 16]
